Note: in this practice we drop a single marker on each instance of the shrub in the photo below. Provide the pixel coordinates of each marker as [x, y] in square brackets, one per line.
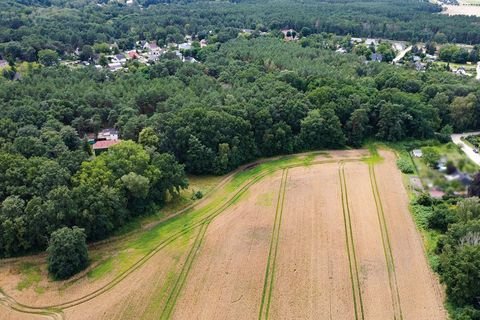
[405, 166]
[197, 195]
[67, 252]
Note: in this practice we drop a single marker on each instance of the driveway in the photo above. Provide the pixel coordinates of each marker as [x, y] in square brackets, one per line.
[456, 138]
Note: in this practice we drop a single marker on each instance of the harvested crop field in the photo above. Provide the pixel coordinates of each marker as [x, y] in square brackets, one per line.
[318, 236]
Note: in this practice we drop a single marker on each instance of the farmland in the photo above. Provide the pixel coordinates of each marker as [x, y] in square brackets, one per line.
[323, 235]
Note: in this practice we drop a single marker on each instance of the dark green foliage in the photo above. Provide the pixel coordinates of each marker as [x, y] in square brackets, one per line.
[461, 273]
[67, 252]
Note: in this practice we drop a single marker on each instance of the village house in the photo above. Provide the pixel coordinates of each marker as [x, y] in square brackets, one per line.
[376, 57]
[289, 34]
[185, 46]
[104, 145]
[3, 63]
[203, 43]
[108, 134]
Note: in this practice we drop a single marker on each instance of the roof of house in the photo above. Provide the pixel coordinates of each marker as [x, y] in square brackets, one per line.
[105, 144]
[376, 57]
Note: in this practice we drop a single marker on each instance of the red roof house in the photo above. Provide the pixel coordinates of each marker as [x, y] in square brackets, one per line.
[103, 145]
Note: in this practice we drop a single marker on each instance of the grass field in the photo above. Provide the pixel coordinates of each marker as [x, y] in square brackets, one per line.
[317, 236]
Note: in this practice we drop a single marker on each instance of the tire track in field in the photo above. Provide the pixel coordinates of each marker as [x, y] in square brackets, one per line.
[51, 310]
[272, 254]
[352, 258]
[12, 304]
[179, 283]
[392, 277]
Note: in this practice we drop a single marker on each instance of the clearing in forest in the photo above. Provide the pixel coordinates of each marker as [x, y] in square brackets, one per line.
[318, 236]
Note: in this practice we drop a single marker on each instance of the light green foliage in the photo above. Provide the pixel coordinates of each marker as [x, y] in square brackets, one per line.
[405, 165]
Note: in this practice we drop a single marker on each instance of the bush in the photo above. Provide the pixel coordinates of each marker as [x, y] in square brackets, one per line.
[405, 166]
[424, 199]
[197, 195]
[67, 252]
[440, 219]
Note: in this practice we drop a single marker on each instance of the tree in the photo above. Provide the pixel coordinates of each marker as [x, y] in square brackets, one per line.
[148, 138]
[322, 129]
[103, 61]
[461, 274]
[67, 252]
[87, 53]
[430, 156]
[358, 126]
[462, 112]
[48, 57]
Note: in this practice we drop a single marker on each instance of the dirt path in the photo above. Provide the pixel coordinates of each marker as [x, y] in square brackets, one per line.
[420, 293]
[312, 279]
[226, 279]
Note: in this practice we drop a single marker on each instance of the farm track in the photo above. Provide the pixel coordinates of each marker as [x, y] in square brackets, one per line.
[392, 277]
[272, 254]
[352, 258]
[51, 310]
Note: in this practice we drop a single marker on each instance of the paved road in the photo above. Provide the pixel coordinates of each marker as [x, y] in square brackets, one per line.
[401, 54]
[456, 138]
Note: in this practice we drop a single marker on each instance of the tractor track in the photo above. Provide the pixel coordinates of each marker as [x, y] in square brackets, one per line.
[272, 254]
[392, 277]
[352, 257]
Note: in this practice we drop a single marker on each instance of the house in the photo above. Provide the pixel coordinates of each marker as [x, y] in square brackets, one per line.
[120, 58]
[356, 40]
[420, 66]
[370, 42]
[341, 50]
[132, 55]
[377, 57]
[190, 59]
[436, 193]
[185, 46]
[460, 71]
[107, 134]
[3, 63]
[203, 43]
[151, 46]
[463, 178]
[416, 59]
[417, 153]
[289, 34]
[114, 66]
[101, 146]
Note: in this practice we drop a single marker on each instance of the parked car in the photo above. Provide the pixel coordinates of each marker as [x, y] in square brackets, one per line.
[475, 150]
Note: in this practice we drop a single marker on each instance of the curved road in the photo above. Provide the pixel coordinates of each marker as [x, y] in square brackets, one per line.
[457, 138]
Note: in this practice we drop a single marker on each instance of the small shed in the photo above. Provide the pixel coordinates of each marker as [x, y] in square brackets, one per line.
[417, 153]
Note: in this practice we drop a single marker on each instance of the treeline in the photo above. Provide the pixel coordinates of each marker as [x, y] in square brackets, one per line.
[457, 252]
[64, 26]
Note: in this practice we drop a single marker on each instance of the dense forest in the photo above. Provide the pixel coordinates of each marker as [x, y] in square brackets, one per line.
[26, 27]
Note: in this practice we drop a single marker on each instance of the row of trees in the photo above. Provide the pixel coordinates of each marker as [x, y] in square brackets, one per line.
[458, 249]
